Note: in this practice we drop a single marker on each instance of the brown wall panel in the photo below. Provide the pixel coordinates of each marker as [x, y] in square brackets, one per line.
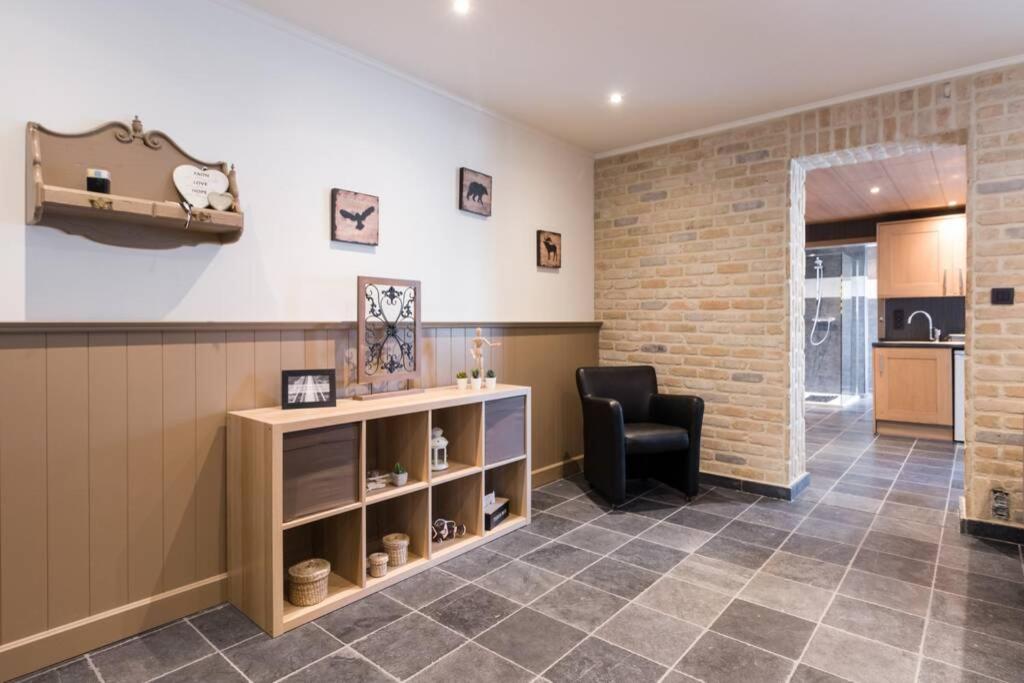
[23, 580]
[145, 427]
[211, 446]
[67, 474]
[179, 362]
[108, 471]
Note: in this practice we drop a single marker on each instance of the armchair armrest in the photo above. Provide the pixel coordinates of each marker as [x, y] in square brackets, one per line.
[679, 411]
[604, 446]
[686, 412]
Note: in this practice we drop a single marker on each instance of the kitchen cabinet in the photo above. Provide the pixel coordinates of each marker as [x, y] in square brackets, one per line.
[922, 257]
[914, 385]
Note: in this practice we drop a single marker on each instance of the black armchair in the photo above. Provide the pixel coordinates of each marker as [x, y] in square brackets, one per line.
[630, 430]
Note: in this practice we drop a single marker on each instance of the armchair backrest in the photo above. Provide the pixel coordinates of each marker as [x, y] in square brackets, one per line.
[632, 386]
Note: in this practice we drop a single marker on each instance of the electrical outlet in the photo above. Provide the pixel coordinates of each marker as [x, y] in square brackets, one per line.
[1000, 504]
[898, 319]
[1002, 296]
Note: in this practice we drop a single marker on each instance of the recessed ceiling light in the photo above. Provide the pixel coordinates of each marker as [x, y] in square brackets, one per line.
[875, 190]
[615, 98]
[461, 6]
[951, 202]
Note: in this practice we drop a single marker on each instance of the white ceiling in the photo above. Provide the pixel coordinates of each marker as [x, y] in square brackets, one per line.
[683, 65]
[926, 180]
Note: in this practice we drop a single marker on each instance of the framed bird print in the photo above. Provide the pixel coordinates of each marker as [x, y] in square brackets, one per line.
[389, 329]
[355, 217]
[549, 249]
[475, 192]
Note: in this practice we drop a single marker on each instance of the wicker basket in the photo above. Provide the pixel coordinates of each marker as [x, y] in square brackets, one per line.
[378, 564]
[307, 582]
[397, 546]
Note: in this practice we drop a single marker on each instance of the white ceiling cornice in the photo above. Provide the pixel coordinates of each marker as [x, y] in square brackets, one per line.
[781, 113]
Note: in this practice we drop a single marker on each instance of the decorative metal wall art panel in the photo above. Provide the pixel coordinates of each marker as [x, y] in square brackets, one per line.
[389, 329]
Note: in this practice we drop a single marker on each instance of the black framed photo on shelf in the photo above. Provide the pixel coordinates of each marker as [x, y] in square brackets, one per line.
[308, 389]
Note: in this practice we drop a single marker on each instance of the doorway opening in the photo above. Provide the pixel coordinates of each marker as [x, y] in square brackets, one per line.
[838, 199]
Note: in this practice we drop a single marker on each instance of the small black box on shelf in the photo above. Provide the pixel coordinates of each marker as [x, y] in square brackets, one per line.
[496, 513]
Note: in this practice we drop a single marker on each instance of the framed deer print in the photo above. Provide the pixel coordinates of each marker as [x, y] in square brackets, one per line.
[549, 249]
[389, 329]
[475, 192]
[355, 217]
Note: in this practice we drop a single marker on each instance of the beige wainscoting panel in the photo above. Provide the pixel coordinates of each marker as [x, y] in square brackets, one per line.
[112, 454]
[145, 420]
[108, 471]
[67, 477]
[179, 363]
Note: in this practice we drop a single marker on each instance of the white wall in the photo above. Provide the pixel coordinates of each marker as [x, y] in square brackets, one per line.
[297, 118]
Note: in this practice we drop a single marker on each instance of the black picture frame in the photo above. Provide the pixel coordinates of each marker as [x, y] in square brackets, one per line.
[476, 192]
[287, 376]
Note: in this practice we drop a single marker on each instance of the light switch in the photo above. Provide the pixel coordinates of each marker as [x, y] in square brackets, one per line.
[1002, 296]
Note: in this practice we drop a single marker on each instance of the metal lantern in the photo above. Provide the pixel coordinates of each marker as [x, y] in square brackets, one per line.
[438, 450]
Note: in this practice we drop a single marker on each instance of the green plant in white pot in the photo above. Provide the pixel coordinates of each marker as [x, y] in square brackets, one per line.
[477, 379]
[491, 379]
[399, 475]
[461, 379]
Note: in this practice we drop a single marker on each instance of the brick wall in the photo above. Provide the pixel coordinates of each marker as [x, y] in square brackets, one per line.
[695, 244]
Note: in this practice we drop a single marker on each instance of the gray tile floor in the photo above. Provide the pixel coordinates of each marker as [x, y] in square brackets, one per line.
[864, 578]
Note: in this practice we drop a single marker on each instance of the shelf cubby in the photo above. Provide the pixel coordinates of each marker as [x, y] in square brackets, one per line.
[403, 439]
[505, 428]
[405, 514]
[337, 539]
[463, 427]
[461, 501]
[320, 472]
[509, 480]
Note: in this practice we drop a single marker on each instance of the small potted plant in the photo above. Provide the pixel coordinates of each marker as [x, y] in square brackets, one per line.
[477, 379]
[399, 475]
[491, 379]
[462, 380]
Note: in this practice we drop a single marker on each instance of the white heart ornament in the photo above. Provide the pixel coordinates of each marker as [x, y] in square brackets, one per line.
[195, 184]
[221, 201]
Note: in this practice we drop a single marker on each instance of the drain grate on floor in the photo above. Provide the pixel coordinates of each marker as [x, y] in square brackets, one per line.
[821, 398]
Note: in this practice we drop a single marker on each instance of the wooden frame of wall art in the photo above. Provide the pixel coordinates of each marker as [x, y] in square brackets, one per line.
[475, 192]
[355, 217]
[549, 249]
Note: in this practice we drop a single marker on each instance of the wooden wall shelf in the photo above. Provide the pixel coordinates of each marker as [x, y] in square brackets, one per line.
[261, 545]
[144, 208]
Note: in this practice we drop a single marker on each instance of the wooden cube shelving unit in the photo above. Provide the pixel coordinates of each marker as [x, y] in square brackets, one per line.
[262, 545]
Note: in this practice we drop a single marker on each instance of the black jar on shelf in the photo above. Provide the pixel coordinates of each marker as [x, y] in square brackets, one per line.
[97, 180]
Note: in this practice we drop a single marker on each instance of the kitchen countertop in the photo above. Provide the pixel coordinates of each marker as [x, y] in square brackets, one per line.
[920, 344]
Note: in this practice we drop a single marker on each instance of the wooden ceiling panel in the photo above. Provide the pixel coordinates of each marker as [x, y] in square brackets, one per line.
[952, 169]
[907, 183]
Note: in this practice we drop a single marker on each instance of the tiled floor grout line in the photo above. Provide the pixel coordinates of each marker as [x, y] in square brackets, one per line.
[849, 565]
[931, 593]
[565, 580]
[343, 647]
[95, 669]
[644, 591]
[219, 651]
[607, 555]
[183, 666]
